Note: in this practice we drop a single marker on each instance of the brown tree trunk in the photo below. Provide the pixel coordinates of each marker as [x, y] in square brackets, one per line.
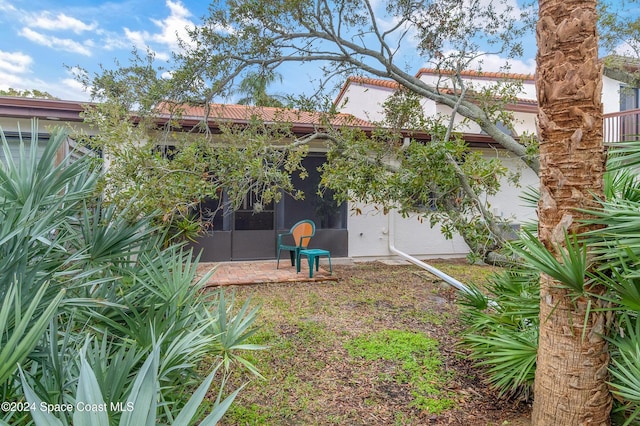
[570, 387]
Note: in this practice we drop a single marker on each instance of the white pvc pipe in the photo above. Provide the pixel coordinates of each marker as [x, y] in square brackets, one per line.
[438, 273]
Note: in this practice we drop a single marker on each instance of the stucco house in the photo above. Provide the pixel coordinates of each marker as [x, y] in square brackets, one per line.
[244, 235]
[374, 235]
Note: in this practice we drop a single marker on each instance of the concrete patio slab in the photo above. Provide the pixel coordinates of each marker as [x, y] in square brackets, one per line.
[260, 271]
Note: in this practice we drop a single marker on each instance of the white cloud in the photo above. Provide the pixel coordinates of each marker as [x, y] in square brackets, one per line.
[16, 73]
[489, 62]
[6, 7]
[497, 63]
[174, 25]
[66, 88]
[501, 9]
[69, 88]
[510, 7]
[13, 81]
[630, 48]
[503, 12]
[56, 43]
[112, 41]
[138, 38]
[61, 22]
[38, 27]
[15, 62]
[171, 29]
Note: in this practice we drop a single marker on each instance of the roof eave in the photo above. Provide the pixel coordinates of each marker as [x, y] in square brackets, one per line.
[47, 109]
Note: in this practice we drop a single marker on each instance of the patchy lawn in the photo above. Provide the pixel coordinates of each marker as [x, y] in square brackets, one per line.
[376, 347]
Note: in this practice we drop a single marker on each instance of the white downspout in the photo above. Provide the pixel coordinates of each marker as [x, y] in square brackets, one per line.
[438, 273]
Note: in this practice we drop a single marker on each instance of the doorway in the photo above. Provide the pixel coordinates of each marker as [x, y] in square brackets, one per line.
[254, 230]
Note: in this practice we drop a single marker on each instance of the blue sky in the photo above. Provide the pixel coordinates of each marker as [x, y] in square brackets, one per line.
[39, 37]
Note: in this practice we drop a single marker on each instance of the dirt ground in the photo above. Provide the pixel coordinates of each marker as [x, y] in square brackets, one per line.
[309, 376]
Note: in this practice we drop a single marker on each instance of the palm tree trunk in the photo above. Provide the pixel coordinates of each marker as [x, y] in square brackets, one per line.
[570, 383]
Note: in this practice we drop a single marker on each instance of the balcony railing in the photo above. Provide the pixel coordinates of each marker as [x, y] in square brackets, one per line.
[622, 126]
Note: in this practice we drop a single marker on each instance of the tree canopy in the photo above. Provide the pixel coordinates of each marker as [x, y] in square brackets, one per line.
[243, 46]
[34, 93]
[242, 40]
[348, 37]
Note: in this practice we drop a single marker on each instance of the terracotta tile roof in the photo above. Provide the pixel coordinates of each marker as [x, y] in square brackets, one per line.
[390, 84]
[71, 111]
[364, 81]
[478, 74]
[244, 113]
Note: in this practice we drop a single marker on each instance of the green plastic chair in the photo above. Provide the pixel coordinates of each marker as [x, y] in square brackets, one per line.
[301, 234]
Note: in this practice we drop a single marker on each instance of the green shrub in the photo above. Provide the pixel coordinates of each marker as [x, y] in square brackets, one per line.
[94, 308]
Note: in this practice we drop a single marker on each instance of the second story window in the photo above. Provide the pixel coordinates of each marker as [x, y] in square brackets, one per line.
[628, 98]
[629, 124]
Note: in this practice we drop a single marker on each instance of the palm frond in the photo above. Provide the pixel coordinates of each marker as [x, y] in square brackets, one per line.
[570, 270]
[510, 356]
[625, 366]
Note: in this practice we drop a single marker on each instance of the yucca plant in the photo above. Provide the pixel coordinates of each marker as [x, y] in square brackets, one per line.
[36, 198]
[21, 329]
[233, 330]
[106, 237]
[160, 294]
[140, 407]
[617, 246]
[163, 297]
[570, 269]
[72, 267]
[502, 320]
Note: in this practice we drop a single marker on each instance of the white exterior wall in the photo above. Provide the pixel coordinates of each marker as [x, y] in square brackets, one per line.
[528, 89]
[12, 124]
[523, 121]
[610, 95]
[461, 124]
[369, 236]
[369, 232]
[610, 89]
[364, 101]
